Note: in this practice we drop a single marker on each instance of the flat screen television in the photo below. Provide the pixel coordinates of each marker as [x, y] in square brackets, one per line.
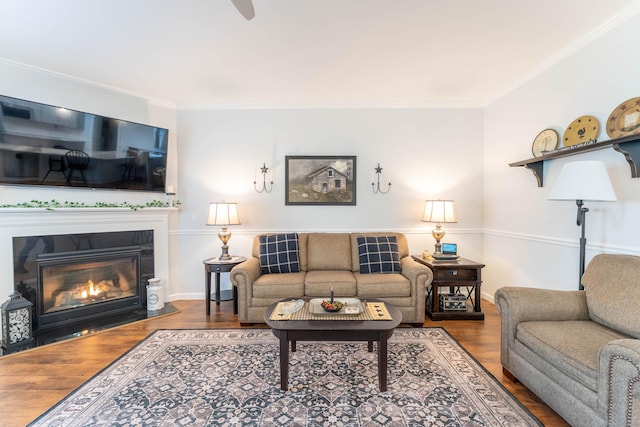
[52, 146]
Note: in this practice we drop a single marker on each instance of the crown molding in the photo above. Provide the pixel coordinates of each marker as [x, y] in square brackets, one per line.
[54, 75]
[434, 104]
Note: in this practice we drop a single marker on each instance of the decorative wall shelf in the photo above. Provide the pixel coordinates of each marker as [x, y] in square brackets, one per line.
[629, 146]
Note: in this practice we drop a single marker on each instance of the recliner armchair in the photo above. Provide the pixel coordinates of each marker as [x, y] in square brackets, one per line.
[579, 351]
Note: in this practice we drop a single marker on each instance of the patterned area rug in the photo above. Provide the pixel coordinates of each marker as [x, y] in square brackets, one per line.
[231, 377]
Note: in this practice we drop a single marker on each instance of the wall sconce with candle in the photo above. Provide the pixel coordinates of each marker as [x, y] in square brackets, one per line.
[375, 183]
[264, 170]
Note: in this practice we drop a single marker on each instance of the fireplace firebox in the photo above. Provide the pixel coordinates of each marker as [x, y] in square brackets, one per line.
[80, 283]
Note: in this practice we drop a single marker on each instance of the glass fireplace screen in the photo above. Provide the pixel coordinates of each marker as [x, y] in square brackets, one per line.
[75, 281]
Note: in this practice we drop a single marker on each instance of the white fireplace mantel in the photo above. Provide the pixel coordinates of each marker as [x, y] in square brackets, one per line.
[40, 221]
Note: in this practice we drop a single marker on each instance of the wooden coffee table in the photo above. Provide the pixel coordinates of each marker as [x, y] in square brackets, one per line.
[291, 331]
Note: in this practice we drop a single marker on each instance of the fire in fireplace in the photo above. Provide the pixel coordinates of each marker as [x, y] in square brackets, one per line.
[80, 285]
[83, 294]
[83, 282]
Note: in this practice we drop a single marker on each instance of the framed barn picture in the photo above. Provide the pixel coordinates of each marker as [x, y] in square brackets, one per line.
[320, 180]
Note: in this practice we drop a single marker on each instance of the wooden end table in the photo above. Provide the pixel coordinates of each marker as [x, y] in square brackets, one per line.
[291, 331]
[217, 266]
[459, 276]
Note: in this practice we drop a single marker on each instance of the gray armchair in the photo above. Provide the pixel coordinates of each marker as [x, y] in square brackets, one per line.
[579, 351]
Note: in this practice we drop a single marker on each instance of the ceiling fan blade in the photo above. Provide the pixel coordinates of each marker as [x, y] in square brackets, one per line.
[245, 7]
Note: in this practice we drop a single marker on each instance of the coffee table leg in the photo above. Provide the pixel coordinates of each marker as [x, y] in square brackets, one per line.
[293, 346]
[370, 346]
[284, 363]
[382, 363]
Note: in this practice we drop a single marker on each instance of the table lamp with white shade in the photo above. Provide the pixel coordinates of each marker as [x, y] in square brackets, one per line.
[439, 211]
[224, 214]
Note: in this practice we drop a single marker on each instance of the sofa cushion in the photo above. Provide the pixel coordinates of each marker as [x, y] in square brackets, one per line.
[382, 285]
[572, 346]
[285, 285]
[318, 283]
[279, 253]
[378, 254]
[611, 284]
[403, 246]
[328, 251]
[302, 248]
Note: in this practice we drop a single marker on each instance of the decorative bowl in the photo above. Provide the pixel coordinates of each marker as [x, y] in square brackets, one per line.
[331, 307]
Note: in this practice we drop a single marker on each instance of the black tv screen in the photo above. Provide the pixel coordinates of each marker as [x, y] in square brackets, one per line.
[45, 145]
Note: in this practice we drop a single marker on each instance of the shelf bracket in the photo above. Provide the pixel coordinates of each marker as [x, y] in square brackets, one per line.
[537, 168]
[631, 153]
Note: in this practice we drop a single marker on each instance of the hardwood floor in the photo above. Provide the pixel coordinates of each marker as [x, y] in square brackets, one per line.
[34, 380]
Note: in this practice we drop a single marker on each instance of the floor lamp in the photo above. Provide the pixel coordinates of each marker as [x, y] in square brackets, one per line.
[580, 181]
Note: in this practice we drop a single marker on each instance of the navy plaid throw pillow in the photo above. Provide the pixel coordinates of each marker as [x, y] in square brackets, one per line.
[279, 253]
[378, 254]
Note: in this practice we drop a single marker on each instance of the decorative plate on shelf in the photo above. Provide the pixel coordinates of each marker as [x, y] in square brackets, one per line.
[546, 141]
[583, 129]
[624, 119]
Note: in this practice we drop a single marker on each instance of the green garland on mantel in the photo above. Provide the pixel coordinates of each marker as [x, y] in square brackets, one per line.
[55, 204]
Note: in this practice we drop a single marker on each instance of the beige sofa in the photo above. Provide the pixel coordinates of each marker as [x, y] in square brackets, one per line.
[331, 260]
[579, 351]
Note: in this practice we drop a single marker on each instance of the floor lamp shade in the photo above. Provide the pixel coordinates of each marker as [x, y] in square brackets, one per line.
[580, 181]
[586, 180]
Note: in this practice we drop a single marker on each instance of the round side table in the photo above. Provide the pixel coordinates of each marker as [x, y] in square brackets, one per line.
[217, 266]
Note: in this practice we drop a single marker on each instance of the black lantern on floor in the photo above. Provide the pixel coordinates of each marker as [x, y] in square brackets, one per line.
[17, 327]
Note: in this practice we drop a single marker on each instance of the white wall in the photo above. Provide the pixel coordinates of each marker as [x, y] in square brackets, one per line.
[532, 241]
[463, 154]
[425, 153]
[40, 86]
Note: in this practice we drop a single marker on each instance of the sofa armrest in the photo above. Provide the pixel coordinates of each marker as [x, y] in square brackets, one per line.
[517, 304]
[418, 274]
[242, 277]
[619, 385]
[527, 304]
[245, 273]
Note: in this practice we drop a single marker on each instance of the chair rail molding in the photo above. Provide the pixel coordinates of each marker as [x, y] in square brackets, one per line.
[554, 241]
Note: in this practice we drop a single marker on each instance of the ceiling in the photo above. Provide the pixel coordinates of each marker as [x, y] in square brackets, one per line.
[304, 53]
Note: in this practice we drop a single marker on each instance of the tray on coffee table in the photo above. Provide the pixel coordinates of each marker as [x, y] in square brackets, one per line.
[350, 307]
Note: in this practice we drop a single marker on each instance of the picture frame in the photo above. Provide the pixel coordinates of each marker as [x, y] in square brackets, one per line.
[320, 180]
